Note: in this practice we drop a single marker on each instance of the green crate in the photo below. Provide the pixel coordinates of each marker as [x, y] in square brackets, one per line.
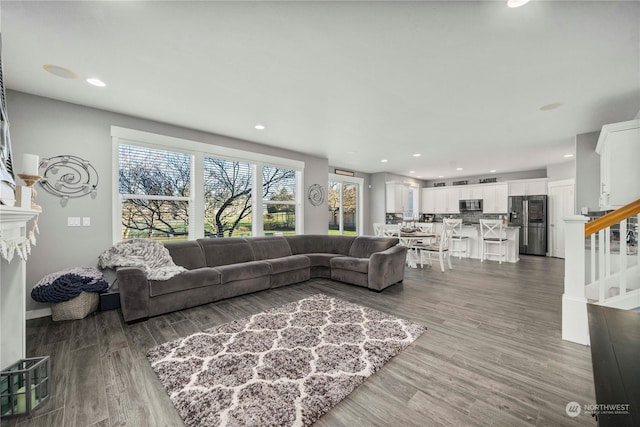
[28, 374]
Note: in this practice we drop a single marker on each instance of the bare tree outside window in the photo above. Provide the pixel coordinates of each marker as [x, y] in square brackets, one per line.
[228, 190]
[156, 185]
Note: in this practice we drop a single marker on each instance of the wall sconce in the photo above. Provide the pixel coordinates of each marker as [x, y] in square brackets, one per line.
[69, 177]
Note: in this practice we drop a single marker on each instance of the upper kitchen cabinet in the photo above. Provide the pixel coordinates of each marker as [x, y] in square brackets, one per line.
[469, 192]
[401, 198]
[443, 200]
[495, 198]
[428, 200]
[619, 149]
[528, 187]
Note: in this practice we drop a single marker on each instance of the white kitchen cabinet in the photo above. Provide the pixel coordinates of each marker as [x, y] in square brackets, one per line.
[402, 198]
[446, 200]
[495, 198]
[619, 150]
[453, 200]
[429, 200]
[528, 187]
[440, 200]
[397, 198]
[470, 192]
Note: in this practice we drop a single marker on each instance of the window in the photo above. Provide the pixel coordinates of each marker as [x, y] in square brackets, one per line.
[200, 190]
[345, 200]
[279, 193]
[227, 198]
[154, 186]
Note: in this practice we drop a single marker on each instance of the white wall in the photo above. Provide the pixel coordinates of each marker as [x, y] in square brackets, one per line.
[560, 171]
[587, 172]
[49, 128]
[377, 204]
[500, 177]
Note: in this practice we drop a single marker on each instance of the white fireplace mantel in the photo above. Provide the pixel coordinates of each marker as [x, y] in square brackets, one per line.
[13, 226]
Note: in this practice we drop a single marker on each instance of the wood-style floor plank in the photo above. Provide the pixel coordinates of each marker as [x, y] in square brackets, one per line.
[492, 354]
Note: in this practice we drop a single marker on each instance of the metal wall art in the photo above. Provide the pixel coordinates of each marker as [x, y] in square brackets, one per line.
[316, 194]
[69, 177]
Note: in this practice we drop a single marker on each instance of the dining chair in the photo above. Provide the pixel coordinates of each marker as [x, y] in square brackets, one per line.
[377, 229]
[440, 247]
[391, 230]
[492, 233]
[457, 239]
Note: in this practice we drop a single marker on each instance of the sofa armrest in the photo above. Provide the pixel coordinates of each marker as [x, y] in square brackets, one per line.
[134, 293]
[387, 267]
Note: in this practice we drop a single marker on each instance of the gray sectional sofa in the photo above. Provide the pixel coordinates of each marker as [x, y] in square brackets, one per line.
[224, 268]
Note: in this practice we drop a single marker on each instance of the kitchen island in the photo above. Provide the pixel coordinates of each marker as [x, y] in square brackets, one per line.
[472, 232]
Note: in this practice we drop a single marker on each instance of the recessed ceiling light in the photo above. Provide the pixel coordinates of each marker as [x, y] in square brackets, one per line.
[517, 3]
[419, 176]
[59, 71]
[551, 106]
[440, 176]
[412, 171]
[96, 82]
[351, 152]
[568, 155]
[492, 170]
[458, 169]
[416, 155]
[384, 160]
[259, 127]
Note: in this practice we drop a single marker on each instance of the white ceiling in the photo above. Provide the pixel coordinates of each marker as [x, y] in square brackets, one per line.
[461, 83]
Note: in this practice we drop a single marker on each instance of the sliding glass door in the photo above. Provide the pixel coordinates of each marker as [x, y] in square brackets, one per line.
[345, 201]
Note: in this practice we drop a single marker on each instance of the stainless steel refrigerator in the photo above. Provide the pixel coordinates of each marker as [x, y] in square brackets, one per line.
[530, 214]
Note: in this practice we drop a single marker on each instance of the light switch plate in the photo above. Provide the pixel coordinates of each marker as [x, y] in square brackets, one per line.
[73, 221]
[86, 221]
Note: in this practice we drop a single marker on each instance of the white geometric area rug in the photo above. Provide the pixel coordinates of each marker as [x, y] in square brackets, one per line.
[283, 367]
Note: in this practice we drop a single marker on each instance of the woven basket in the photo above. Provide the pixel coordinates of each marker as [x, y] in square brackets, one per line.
[77, 308]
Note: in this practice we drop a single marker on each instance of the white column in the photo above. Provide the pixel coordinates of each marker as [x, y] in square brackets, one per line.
[575, 324]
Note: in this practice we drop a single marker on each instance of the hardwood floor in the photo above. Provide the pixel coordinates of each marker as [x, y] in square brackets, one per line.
[492, 355]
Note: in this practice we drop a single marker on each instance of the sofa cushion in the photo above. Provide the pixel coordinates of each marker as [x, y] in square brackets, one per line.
[187, 254]
[244, 271]
[364, 246]
[323, 260]
[269, 247]
[361, 265]
[189, 279]
[289, 263]
[320, 243]
[225, 251]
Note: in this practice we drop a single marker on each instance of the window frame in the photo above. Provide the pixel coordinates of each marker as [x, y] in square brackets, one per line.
[359, 202]
[198, 151]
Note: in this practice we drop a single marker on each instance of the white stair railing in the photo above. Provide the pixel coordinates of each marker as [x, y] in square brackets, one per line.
[606, 275]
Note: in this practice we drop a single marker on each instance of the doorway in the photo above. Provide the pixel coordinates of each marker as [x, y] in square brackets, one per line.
[345, 205]
[561, 204]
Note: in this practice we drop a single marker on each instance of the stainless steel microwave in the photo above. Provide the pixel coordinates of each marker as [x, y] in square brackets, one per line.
[471, 205]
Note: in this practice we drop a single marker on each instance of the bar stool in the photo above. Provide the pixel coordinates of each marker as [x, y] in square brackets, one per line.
[491, 233]
[457, 238]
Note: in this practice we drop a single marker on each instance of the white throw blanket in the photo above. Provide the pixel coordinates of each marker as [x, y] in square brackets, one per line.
[151, 256]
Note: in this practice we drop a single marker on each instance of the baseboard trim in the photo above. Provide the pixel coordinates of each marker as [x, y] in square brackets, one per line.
[41, 312]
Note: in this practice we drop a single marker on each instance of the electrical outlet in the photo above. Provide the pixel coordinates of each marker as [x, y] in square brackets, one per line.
[73, 221]
[86, 221]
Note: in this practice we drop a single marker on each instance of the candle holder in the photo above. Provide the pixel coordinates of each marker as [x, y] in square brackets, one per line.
[30, 180]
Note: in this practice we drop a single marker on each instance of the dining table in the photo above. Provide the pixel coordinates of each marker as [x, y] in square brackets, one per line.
[409, 239]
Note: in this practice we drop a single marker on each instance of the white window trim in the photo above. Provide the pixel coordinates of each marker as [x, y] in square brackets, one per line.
[353, 180]
[198, 151]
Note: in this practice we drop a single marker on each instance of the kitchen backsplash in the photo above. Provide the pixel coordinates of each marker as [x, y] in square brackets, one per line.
[467, 217]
